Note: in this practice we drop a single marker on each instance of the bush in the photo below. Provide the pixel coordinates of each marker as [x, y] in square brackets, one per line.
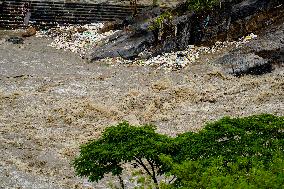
[229, 153]
[216, 173]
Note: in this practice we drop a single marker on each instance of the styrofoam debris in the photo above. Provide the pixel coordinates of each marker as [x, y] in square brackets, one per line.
[78, 39]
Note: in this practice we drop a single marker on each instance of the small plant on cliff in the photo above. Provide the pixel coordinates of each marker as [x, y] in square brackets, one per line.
[200, 5]
[158, 22]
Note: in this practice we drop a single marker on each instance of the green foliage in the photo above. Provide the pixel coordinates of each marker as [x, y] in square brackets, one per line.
[200, 5]
[163, 23]
[158, 22]
[255, 136]
[229, 153]
[217, 174]
[118, 145]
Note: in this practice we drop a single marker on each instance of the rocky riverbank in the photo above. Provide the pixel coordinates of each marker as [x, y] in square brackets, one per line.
[178, 28]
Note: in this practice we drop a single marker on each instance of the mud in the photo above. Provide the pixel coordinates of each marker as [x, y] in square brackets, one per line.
[51, 101]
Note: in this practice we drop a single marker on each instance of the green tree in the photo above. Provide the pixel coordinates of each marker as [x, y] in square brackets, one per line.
[230, 153]
[121, 144]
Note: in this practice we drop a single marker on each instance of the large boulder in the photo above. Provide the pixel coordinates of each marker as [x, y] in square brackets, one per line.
[238, 63]
[254, 63]
[260, 56]
[127, 46]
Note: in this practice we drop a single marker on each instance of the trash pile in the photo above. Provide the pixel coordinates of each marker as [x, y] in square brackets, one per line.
[76, 38]
[180, 59]
[80, 39]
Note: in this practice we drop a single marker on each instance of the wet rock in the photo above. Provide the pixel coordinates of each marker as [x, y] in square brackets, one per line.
[16, 40]
[136, 22]
[183, 26]
[272, 39]
[260, 56]
[275, 56]
[240, 64]
[246, 8]
[229, 21]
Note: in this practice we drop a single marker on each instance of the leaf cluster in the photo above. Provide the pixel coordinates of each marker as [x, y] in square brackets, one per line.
[255, 136]
[198, 174]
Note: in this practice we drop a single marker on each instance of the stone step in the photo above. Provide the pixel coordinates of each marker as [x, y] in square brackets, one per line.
[59, 12]
[69, 5]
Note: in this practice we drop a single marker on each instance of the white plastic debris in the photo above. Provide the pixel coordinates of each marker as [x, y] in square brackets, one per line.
[78, 39]
[250, 37]
[253, 36]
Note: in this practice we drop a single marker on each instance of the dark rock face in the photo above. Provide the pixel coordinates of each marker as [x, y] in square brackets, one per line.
[228, 22]
[231, 20]
[257, 63]
[275, 56]
[137, 22]
[183, 25]
[239, 64]
[129, 43]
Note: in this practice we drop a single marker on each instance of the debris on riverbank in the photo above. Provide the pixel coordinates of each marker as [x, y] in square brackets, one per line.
[80, 39]
[180, 59]
[76, 38]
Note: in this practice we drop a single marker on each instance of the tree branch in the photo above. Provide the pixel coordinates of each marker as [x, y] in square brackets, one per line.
[121, 182]
[154, 173]
[174, 177]
[153, 176]
[140, 162]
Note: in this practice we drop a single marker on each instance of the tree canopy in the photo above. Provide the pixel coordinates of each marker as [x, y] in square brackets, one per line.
[229, 153]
